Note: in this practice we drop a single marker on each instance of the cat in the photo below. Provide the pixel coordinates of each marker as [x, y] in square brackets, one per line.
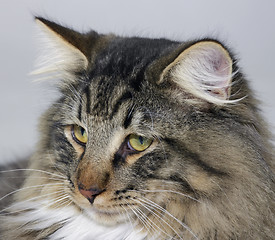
[148, 139]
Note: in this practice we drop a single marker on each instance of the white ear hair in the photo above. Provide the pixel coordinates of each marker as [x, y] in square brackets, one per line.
[58, 57]
[204, 70]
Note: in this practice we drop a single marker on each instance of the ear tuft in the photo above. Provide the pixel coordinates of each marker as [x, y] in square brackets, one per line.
[204, 70]
[60, 52]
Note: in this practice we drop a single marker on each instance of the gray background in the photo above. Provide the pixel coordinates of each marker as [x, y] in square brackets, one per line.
[248, 26]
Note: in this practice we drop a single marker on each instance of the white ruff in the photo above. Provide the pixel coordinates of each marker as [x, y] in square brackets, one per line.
[76, 225]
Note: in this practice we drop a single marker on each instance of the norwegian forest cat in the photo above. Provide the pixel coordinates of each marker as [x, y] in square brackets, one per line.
[149, 139]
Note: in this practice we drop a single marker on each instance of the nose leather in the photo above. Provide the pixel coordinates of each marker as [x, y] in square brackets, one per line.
[91, 193]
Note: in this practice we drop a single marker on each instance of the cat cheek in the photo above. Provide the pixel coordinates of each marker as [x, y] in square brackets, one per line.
[201, 181]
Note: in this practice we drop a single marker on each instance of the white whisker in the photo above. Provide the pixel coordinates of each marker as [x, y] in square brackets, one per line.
[51, 203]
[158, 218]
[146, 200]
[21, 189]
[57, 200]
[38, 177]
[169, 191]
[40, 209]
[128, 216]
[35, 170]
[139, 218]
[30, 200]
[149, 223]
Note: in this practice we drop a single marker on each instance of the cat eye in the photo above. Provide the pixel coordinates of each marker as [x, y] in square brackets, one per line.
[139, 143]
[79, 135]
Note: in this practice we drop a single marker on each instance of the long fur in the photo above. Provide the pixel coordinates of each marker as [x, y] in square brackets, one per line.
[208, 172]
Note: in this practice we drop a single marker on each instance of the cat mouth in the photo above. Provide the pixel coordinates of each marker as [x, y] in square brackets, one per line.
[105, 215]
[105, 212]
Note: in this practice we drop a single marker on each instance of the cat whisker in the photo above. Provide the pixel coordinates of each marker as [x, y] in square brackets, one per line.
[170, 191]
[69, 201]
[141, 220]
[128, 216]
[160, 215]
[66, 201]
[148, 201]
[159, 219]
[54, 201]
[173, 184]
[40, 209]
[35, 170]
[57, 200]
[224, 193]
[150, 225]
[30, 200]
[39, 177]
[153, 204]
[25, 188]
[134, 222]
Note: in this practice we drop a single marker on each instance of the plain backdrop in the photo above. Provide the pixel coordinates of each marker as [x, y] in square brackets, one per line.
[247, 26]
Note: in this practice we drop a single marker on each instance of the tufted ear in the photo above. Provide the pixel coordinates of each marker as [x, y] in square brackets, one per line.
[63, 50]
[204, 70]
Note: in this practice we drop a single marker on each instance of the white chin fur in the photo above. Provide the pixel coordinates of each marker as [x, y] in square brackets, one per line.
[76, 225]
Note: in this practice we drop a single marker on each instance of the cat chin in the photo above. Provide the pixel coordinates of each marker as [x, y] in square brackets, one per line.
[107, 218]
[75, 224]
[100, 214]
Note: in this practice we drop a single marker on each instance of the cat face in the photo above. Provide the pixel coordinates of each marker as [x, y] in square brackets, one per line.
[152, 133]
[111, 130]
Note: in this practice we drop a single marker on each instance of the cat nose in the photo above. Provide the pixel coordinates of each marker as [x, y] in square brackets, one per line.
[91, 193]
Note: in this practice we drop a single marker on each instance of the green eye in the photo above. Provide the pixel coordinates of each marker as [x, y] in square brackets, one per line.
[139, 143]
[79, 134]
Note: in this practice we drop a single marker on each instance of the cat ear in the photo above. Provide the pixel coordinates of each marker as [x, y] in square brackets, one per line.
[63, 49]
[204, 70]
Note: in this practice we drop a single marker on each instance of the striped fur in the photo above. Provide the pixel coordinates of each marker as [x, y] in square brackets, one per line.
[208, 173]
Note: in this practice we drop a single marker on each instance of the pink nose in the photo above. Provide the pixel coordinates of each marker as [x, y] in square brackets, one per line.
[91, 193]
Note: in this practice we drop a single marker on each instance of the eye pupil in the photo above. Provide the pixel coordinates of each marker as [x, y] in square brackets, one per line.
[141, 140]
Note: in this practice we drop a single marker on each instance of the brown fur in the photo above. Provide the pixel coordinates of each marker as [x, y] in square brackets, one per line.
[209, 173]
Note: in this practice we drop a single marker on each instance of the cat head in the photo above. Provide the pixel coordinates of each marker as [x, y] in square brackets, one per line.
[148, 129]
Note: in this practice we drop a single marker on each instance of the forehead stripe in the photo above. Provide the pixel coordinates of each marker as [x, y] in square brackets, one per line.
[128, 118]
[80, 109]
[87, 92]
[124, 97]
